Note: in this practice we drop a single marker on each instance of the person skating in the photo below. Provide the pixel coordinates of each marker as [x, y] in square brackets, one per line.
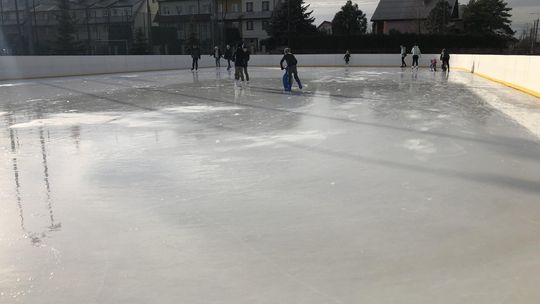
[217, 55]
[445, 59]
[347, 57]
[403, 51]
[195, 56]
[291, 68]
[433, 65]
[228, 56]
[246, 60]
[239, 58]
[416, 53]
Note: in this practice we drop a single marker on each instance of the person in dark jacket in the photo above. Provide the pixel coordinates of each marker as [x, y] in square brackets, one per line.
[347, 57]
[228, 56]
[246, 60]
[291, 68]
[445, 59]
[239, 59]
[195, 55]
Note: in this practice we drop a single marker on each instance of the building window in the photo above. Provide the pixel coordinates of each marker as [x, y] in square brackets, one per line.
[127, 12]
[265, 25]
[235, 8]
[179, 10]
[105, 13]
[249, 6]
[249, 25]
[166, 10]
[115, 12]
[265, 6]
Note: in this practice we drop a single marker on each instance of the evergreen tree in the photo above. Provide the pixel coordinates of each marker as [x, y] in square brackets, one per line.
[488, 17]
[439, 17]
[140, 45]
[349, 20]
[65, 40]
[291, 17]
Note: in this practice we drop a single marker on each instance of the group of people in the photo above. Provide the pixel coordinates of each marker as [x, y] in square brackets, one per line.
[240, 57]
[416, 54]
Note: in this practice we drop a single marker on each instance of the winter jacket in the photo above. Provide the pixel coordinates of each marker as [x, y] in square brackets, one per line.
[290, 59]
[416, 51]
[196, 53]
[239, 58]
[228, 53]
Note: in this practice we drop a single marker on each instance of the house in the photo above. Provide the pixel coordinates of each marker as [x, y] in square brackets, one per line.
[188, 22]
[406, 16]
[101, 26]
[325, 27]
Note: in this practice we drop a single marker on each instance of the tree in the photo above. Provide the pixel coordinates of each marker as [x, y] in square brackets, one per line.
[65, 40]
[439, 18]
[349, 20]
[488, 17]
[291, 17]
[140, 45]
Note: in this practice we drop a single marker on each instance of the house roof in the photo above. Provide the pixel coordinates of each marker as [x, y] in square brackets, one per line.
[406, 9]
[324, 23]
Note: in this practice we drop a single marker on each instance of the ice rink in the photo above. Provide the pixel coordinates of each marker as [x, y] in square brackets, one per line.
[372, 186]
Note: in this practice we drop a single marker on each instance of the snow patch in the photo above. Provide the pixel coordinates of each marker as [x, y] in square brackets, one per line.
[420, 146]
[199, 109]
[66, 119]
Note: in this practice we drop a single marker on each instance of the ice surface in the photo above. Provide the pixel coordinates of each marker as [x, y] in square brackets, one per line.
[370, 186]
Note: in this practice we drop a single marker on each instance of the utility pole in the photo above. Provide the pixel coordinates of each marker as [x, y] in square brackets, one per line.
[19, 31]
[34, 29]
[29, 35]
[288, 23]
[89, 37]
[149, 21]
[2, 11]
[534, 32]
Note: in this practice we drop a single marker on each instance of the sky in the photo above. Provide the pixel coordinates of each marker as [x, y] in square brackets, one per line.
[523, 11]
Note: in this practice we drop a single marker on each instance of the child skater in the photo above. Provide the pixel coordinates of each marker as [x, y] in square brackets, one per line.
[433, 65]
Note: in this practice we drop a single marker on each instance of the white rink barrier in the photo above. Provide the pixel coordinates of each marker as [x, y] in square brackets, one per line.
[24, 67]
[333, 60]
[519, 72]
[516, 71]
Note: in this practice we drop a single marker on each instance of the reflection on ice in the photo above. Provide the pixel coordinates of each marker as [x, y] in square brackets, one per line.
[67, 119]
[199, 109]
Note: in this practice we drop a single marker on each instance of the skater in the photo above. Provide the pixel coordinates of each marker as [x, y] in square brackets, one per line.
[217, 55]
[246, 60]
[415, 51]
[433, 65]
[195, 55]
[347, 57]
[228, 56]
[291, 68]
[445, 59]
[403, 55]
[238, 59]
